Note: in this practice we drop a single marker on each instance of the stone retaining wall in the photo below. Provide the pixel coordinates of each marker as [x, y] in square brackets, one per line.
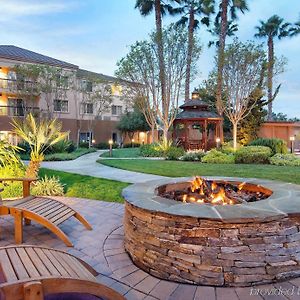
[210, 252]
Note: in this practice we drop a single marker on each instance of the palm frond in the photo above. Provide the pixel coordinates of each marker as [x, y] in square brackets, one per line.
[145, 6]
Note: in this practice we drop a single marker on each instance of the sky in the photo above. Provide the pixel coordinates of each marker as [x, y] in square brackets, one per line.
[95, 34]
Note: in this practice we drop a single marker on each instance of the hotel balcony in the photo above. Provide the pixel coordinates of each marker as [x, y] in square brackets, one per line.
[12, 86]
[17, 111]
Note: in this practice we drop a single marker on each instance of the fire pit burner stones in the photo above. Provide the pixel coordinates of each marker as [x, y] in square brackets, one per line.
[220, 245]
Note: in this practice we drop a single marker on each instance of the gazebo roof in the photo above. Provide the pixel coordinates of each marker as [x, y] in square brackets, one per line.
[197, 114]
[194, 103]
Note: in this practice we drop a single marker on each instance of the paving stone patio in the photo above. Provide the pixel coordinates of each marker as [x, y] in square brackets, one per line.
[103, 249]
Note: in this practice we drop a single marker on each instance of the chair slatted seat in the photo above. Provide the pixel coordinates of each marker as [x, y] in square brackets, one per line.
[43, 210]
[27, 269]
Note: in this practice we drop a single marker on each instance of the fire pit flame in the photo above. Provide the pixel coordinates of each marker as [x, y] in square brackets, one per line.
[204, 191]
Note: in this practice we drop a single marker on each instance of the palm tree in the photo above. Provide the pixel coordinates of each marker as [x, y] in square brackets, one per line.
[232, 28]
[146, 7]
[274, 27]
[40, 135]
[189, 10]
[222, 18]
[295, 29]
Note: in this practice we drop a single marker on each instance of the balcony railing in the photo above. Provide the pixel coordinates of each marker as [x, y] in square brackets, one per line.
[13, 85]
[17, 111]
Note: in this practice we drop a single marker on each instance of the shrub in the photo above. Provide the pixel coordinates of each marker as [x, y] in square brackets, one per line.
[11, 189]
[69, 156]
[151, 150]
[61, 147]
[174, 153]
[129, 145]
[105, 145]
[285, 160]
[164, 145]
[193, 155]
[276, 145]
[217, 157]
[24, 148]
[227, 147]
[48, 186]
[253, 155]
[84, 145]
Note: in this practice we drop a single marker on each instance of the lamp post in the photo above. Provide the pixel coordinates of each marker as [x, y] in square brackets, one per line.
[292, 140]
[110, 142]
[218, 140]
[132, 141]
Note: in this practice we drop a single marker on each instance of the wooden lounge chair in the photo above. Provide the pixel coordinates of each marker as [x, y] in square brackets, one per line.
[32, 273]
[43, 210]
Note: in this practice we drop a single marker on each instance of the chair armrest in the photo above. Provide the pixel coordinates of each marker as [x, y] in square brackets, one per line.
[26, 184]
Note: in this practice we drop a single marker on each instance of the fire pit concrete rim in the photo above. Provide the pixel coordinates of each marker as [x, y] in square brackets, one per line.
[284, 201]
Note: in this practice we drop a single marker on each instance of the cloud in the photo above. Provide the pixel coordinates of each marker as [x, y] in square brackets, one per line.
[15, 8]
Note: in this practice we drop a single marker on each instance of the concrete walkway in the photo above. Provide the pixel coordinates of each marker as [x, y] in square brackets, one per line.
[87, 165]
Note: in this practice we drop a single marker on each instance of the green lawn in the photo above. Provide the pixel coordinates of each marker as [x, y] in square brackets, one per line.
[123, 153]
[178, 169]
[63, 156]
[88, 187]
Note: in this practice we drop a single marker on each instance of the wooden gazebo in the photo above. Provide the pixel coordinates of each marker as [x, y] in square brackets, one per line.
[196, 127]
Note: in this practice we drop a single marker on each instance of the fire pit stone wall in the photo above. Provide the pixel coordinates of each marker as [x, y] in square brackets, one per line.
[235, 245]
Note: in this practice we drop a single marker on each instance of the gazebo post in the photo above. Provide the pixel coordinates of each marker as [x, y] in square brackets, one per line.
[205, 135]
[186, 134]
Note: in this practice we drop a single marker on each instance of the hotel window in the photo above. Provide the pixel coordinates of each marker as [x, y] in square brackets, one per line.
[87, 86]
[85, 137]
[116, 110]
[61, 105]
[62, 81]
[88, 108]
[116, 90]
[16, 107]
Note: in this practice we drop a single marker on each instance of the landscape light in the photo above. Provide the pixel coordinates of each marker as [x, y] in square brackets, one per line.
[292, 140]
[218, 140]
[110, 142]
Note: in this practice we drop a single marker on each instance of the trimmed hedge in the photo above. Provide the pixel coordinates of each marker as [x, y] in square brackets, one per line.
[105, 145]
[193, 155]
[276, 145]
[131, 145]
[174, 153]
[253, 155]
[151, 150]
[285, 160]
[217, 157]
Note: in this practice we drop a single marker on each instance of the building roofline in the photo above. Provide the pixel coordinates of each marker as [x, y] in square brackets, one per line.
[24, 55]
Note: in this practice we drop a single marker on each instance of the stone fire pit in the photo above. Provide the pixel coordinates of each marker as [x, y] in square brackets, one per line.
[222, 245]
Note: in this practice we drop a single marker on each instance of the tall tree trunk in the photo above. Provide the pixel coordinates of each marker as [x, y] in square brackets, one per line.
[221, 51]
[234, 133]
[165, 134]
[189, 54]
[270, 76]
[152, 134]
[160, 49]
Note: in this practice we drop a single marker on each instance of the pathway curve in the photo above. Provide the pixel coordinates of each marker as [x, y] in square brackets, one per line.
[87, 165]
